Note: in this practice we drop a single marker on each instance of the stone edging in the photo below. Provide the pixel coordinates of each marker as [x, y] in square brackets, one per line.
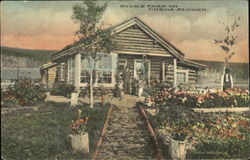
[104, 129]
[208, 110]
[152, 134]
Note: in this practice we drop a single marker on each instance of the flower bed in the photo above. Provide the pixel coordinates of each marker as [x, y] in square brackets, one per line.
[224, 135]
[207, 135]
[24, 91]
[207, 99]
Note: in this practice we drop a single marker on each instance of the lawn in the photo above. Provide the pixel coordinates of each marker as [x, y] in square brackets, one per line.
[44, 133]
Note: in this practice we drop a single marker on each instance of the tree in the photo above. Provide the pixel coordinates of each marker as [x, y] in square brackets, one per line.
[93, 38]
[230, 40]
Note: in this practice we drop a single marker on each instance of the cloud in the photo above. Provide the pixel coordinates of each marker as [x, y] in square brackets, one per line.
[45, 21]
[204, 49]
[48, 25]
[174, 28]
[111, 17]
[37, 42]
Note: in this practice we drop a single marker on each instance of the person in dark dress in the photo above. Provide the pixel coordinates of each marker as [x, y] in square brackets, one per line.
[227, 80]
[126, 80]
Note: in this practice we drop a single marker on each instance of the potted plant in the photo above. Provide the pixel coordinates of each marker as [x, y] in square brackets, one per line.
[177, 145]
[74, 98]
[79, 135]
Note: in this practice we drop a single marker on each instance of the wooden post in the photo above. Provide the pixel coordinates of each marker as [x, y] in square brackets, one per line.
[163, 71]
[47, 96]
[77, 71]
[175, 73]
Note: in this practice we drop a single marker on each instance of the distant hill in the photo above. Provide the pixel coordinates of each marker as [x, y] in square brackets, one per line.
[27, 58]
[24, 58]
[212, 73]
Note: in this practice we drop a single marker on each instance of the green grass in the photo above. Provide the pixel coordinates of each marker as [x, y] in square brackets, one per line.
[45, 133]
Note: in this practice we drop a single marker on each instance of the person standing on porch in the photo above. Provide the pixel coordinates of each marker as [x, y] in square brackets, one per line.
[126, 80]
[227, 80]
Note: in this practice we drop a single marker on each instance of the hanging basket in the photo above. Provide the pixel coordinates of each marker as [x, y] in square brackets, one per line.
[80, 143]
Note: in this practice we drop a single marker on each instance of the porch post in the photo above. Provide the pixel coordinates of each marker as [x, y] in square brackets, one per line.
[175, 74]
[77, 71]
[163, 71]
[114, 67]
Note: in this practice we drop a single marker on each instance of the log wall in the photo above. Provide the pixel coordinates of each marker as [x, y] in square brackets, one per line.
[136, 41]
[52, 75]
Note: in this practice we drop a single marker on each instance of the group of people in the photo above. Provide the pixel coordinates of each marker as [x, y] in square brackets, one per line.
[127, 84]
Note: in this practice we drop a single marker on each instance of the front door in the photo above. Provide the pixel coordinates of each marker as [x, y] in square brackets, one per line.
[138, 67]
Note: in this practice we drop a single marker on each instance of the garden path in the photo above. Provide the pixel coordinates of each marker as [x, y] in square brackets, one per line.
[126, 136]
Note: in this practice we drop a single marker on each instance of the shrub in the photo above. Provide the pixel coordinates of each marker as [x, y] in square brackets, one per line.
[63, 89]
[161, 95]
[231, 147]
[24, 91]
[117, 91]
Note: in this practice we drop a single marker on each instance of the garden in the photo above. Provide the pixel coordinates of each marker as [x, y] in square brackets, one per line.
[204, 135]
[34, 129]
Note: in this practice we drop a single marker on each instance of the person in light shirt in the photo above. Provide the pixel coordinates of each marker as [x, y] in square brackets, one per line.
[226, 80]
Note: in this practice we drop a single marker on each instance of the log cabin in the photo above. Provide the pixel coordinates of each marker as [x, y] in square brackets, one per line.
[166, 62]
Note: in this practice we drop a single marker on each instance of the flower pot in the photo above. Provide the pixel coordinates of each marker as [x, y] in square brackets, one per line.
[47, 96]
[177, 150]
[80, 143]
[74, 99]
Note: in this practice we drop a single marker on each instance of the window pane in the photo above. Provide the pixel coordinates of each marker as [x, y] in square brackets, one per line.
[85, 76]
[138, 66]
[72, 62]
[85, 63]
[181, 77]
[105, 63]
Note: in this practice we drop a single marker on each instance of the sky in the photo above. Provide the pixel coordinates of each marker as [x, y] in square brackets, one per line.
[48, 24]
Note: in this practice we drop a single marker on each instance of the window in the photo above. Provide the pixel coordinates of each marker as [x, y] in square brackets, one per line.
[182, 77]
[103, 70]
[138, 67]
[122, 64]
[62, 74]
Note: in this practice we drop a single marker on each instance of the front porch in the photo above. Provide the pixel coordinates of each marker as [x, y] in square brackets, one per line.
[160, 68]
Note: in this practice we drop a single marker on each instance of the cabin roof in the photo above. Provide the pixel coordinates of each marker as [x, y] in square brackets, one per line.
[48, 65]
[153, 34]
[15, 73]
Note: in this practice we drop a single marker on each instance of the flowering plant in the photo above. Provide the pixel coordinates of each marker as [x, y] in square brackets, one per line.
[231, 98]
[79, 127]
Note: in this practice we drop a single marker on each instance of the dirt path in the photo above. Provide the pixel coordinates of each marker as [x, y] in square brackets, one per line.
[127, 136]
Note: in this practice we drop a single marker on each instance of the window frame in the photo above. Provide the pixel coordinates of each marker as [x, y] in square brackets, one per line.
[71, 67]
[96, 84]
[149, 67]
[186, 71]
